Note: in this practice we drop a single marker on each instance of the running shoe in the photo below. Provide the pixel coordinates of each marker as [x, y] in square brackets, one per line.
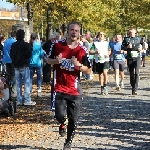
[102, 91]
[134, 91]
[105, 91]
[62, 130]
[67, 146]
[31, 103]
[118, 88]
[121, 84]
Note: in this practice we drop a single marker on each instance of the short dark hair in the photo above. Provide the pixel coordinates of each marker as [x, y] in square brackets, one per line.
[73, 22]
[2, 38]
[13, 33]
[98, 34]
[20, 34]
[118, 34]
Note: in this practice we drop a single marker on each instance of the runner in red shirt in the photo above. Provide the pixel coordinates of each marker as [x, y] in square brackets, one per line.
[68, 58]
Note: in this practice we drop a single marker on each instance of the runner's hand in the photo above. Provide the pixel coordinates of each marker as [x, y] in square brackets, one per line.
[106, 56]
[129, 46]
[121, 51]
[75, 61]
[97, 52]
[59, 59]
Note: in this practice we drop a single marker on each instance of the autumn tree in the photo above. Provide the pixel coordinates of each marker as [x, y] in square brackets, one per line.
[111, 16]
[6, 26]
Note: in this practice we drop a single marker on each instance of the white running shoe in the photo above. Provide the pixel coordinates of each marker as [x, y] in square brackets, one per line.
[31, 103]
[105, 91]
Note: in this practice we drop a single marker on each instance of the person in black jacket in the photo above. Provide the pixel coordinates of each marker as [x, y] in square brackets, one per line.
[20, 54]
[132, 46]
[47, 67]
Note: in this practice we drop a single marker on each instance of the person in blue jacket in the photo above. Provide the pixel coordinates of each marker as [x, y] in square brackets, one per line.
[36, 62]
[7, 60]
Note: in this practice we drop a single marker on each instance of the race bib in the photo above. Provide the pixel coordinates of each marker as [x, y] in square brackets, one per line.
[101, 59]
[134, 54]
[67, 64]
[118, 56]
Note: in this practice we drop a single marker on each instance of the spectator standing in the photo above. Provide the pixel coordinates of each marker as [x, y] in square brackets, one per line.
[43, 40]
[7, 60]
[20, 54]
[47, 67]
[36, 62]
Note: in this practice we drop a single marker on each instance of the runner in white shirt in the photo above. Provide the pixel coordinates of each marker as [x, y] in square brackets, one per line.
[102, 53]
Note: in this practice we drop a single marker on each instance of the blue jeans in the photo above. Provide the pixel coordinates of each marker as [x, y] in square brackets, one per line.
[39, 77]
[23, 75]
[11, 71]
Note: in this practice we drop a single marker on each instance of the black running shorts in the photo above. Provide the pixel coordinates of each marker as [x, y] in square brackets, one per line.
[102, 66]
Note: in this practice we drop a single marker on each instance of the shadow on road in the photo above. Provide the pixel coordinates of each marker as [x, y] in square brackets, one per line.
[126, 120]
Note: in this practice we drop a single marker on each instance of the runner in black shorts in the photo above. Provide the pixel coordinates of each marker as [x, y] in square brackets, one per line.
[102, 61]
[100, 67]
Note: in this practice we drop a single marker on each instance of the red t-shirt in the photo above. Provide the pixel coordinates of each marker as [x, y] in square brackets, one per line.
[66, 75]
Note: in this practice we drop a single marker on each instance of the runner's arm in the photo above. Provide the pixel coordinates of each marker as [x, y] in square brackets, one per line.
[124, 48]
[85, 65]
[51, 57]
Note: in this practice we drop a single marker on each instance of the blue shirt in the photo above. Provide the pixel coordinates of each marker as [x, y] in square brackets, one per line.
[37, 55]
[7, 47]
[116, 52]
[111, 44]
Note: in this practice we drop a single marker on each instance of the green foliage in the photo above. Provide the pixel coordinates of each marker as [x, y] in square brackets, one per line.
[107, 15]
[6, 26]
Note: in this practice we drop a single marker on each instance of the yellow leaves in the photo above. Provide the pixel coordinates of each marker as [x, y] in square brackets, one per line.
[89, 12]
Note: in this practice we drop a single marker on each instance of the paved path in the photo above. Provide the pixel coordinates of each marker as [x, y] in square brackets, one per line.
[118, 121]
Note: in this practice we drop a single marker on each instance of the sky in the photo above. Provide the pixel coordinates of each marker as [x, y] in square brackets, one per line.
[7, 5]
